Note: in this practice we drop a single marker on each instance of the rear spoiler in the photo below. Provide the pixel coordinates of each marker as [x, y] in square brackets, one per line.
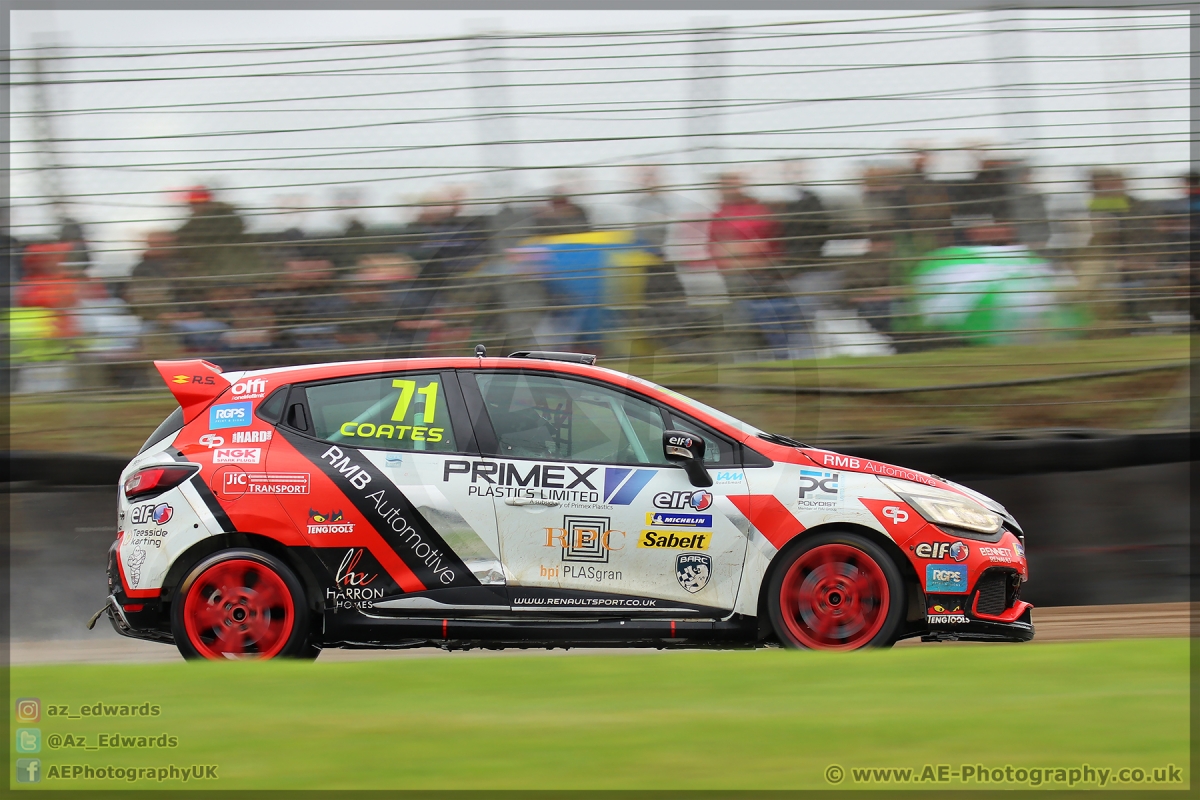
[195, 384]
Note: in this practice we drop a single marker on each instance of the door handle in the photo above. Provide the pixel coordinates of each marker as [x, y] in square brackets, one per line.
[529, 501]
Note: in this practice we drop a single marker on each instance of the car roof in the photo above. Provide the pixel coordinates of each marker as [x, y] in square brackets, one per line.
[346, 369]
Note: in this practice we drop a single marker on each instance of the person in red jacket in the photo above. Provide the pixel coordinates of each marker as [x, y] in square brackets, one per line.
[48, 282]
[744, 243]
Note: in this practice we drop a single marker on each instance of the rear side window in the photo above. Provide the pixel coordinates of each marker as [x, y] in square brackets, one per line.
[401, 412]
[543, 416]
[173, 423]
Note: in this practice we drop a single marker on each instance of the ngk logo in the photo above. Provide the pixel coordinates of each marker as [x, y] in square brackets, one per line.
[255, 387]
[237, 455]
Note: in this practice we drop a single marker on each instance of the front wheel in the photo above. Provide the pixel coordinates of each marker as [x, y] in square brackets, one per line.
[836, 591]
[242, 604]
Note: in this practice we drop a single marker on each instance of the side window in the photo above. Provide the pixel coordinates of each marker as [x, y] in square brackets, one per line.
[717, 449]
[399, 412]
[542, 416]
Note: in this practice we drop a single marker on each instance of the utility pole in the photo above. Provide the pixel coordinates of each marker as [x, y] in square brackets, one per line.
[487, 62]
[50, 160]
[707, 93]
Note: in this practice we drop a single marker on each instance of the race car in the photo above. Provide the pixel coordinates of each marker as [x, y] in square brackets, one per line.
[535, 500]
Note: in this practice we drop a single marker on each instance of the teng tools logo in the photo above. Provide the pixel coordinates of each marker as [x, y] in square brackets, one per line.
[328, 522]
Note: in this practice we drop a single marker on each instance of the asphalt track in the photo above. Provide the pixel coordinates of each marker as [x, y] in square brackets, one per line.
[1075, 623]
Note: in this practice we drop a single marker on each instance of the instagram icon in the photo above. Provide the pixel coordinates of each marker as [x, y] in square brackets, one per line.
[29, 709]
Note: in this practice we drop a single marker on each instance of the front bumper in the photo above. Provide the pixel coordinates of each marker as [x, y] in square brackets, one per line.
[1019, 629]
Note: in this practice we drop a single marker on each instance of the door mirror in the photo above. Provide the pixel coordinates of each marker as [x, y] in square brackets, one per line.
[687, 450]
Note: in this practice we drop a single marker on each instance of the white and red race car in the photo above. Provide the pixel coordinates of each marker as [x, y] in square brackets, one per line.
[533, 500]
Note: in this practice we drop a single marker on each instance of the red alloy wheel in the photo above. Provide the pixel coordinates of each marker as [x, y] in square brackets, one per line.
[238, 609]
[834, 597]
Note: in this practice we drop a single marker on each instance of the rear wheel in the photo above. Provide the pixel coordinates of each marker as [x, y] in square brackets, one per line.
[242, 604]
[836, 591]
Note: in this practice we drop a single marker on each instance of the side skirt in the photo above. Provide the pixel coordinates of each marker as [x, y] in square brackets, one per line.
[375, 632]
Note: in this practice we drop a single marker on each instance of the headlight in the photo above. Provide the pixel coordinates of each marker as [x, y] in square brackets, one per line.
[945, 508]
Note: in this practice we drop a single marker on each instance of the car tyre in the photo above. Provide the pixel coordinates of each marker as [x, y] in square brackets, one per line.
[242, 603]
[836, 591]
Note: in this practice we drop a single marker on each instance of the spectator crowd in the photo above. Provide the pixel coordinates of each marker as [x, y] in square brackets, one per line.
[769, 278]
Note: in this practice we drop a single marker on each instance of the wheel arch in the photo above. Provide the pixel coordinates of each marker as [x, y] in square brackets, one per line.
[915, 611]
[183, 564]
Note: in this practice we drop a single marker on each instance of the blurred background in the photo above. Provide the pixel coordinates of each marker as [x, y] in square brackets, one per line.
[829, 223]
[957, 241]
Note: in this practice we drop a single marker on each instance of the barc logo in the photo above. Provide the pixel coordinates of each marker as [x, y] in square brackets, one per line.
[229, 415]
[693, 570]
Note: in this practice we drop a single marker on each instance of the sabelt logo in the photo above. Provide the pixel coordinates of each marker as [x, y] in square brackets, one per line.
[674, 540]
[237, 455]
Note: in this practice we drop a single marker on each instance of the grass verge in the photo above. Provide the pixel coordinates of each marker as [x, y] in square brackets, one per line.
[688, 720]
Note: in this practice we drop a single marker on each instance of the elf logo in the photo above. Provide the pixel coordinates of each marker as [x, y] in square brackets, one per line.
[158, 514]
[700, 500]
[938, 550]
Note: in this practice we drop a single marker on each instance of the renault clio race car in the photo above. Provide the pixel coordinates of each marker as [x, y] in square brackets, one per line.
[533, 500]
